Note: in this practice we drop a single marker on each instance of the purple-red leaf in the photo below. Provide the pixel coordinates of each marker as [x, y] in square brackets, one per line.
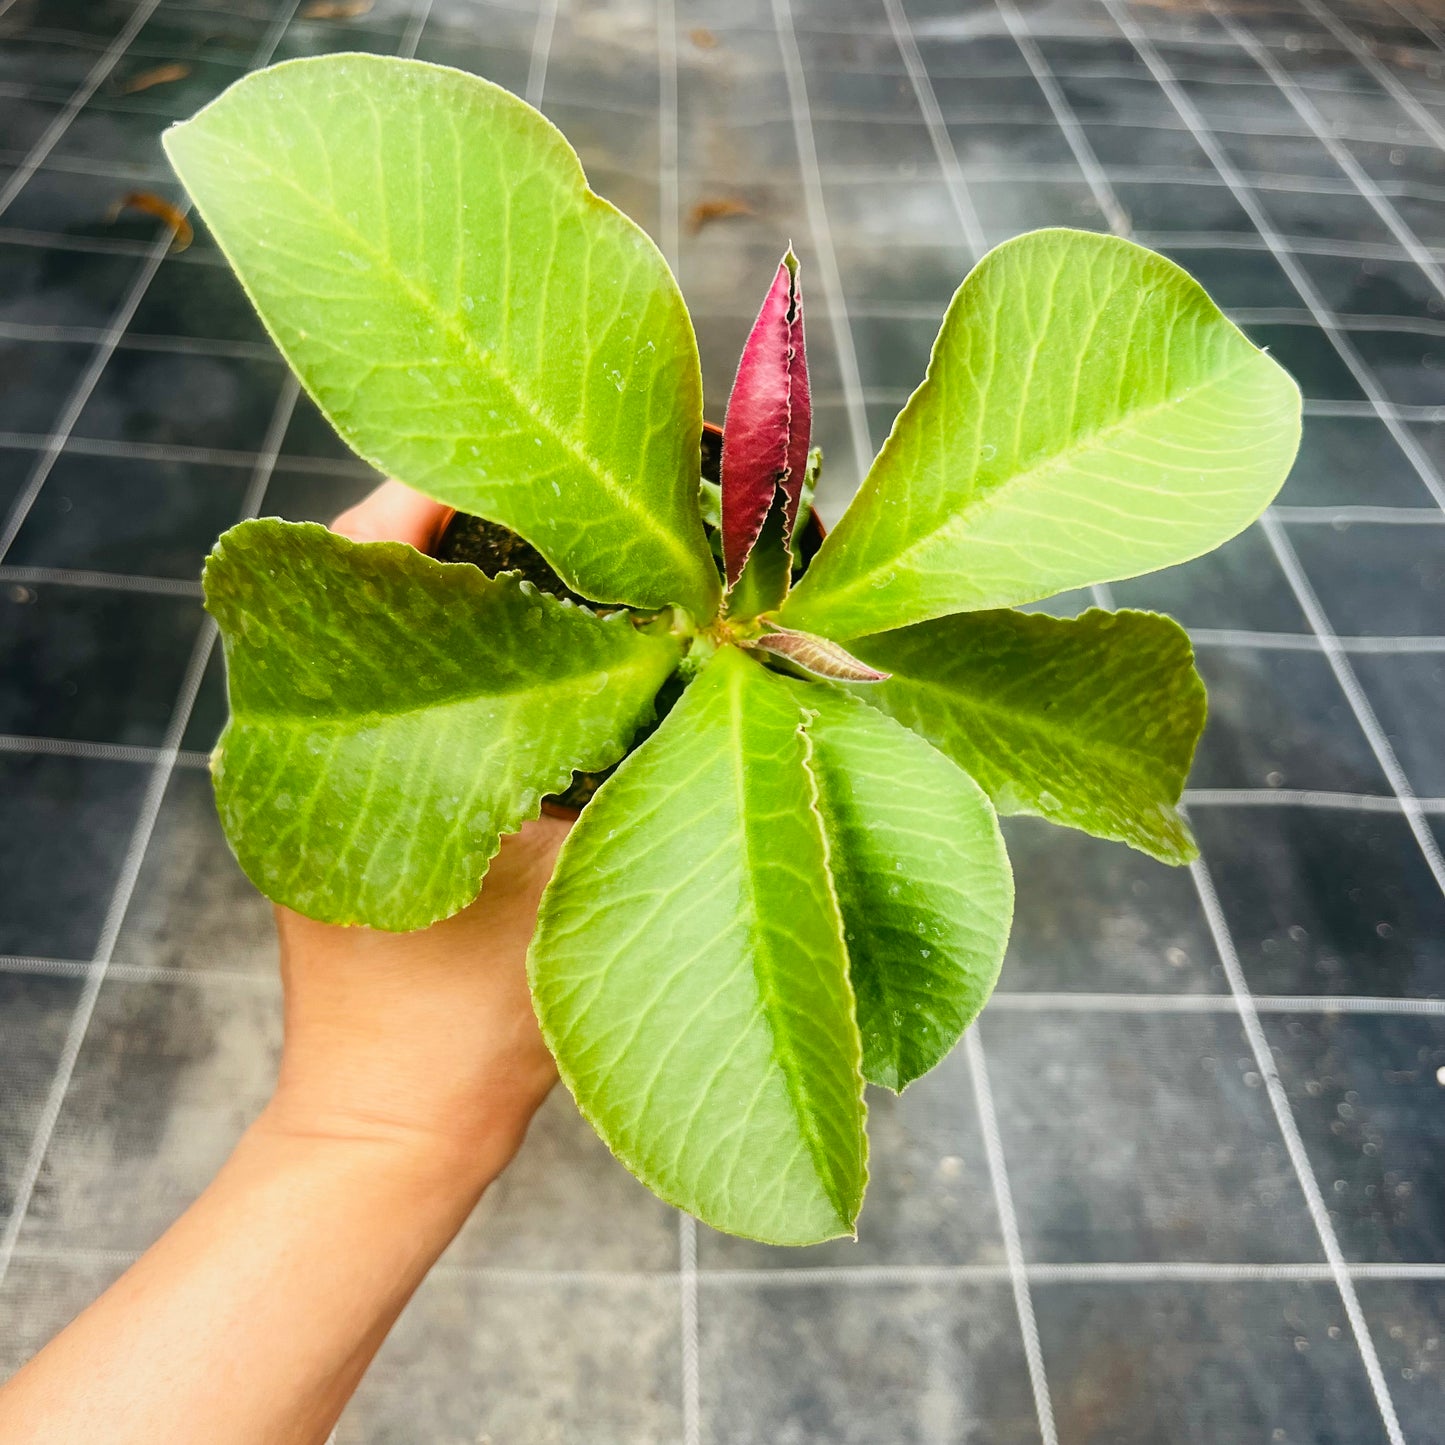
[769, 418]
[816, 655]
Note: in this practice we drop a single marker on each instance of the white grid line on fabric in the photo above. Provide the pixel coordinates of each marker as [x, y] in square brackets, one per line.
[938, 136]
[1019, 116]
[89, 379]
[1422, 22]
[1295, 316]
[1294, 1145]
[85, 166]
[1123, 1272]
[1306, 109]
[169, 345]
[104, 581]
[541, 53]
[415, 25]
[1324, 246]
[1095, 176]
[100, 752]
[720, 24]
[268, 982]
[110, 931]
[95, 78]
[1020, 1001]
[871, 1275]
[155, 255]
[161, 771]
[817, 212]
[723, 25]
[1304, 798]
[1204, 884]
[1368, 409]
[1001, 1001]
[340, 467]
[1025, 117]
[1349, 515]
[1009, 1227]
[1378, 72]
[877, 1275]
[154, 796]
[967, 214]
[1354, 692]
[1308, 642]
[687, 1292]
[66, 241]
[669, 203]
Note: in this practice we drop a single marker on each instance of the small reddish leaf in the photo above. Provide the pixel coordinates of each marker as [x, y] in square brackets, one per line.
[816, 655]
[769, 418]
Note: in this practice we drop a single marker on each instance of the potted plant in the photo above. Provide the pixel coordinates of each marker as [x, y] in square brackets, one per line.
[794, 879]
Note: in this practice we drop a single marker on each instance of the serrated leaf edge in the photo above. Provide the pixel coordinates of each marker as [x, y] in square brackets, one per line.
[1172, 811]
[528, 801]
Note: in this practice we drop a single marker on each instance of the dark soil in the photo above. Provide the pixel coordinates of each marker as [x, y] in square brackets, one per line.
[494, 548]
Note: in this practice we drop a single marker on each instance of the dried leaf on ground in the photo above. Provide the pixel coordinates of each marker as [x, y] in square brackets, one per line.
[161, 209]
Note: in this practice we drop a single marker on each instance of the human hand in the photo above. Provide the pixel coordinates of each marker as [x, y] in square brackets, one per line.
[429, 1036]
[411, 1067]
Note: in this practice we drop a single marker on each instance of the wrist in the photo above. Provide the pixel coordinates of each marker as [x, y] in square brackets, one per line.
[457, 1157]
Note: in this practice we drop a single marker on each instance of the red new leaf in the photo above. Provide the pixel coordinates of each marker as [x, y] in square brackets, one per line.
[816, 655]
[769, 418]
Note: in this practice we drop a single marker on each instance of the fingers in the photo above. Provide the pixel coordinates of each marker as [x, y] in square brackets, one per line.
[395, 513]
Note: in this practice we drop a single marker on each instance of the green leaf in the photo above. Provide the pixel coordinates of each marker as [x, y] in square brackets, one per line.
[923, 883]
[690, 975]
[473, 320]
[392, 715]
[1088, 414]
[1089, 721]
[764, 580]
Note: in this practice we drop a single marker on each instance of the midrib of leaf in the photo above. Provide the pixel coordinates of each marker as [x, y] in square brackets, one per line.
[451, 324]
[820, 806]
[965, 516]
[783, 1051]
[370, 716]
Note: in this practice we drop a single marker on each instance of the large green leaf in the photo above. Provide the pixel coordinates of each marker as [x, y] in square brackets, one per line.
[470, 316]
[690, 974]
[1088, 414]
[923, 883]
[1088, 721]
[392, 715]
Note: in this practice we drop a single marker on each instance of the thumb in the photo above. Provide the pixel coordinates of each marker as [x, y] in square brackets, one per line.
[395, 513]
